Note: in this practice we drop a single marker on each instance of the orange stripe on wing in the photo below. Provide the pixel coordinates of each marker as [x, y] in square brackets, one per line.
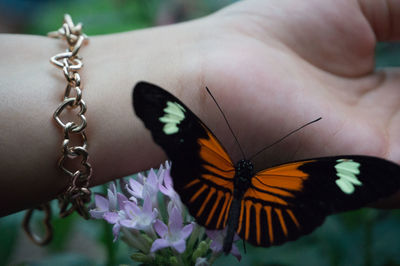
[192, 183]
[194, 197]
[227, 173]
[227, 211]
[211, 214]
[214, 150]
[279, 180]
[205, 202]
[286, 176]
[265, 186]
[293, 218]
[247, 228]
[282, 221]
[257, 208]
[252, 193]
[218, 181]
[224, 208]
[218, 163]
[269, 222]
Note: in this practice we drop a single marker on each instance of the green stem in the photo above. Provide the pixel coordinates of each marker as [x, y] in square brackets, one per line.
[178, 256]
[135, 240]
[196, 234]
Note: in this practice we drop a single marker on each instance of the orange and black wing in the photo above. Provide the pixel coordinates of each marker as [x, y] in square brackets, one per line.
[202, 171]
[291, 200]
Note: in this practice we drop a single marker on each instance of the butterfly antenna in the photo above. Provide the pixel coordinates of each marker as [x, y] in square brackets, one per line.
[284, 137]
[226, 120]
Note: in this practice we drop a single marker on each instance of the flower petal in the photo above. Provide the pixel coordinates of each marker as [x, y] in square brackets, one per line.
[175, 220]
[111, 217]
[121, 198]
[175, 203]
[128, 223]
[133, 199]
[140, 178]
[159, 244]
[147, 206]
[163, 189]
[131, 209]
[112, 197]
[217, 239]
[96, 214]
[154, 214]
[152, 179]
[166, 187]
[179, 245]
[135, 188]
[187, 230]
[235, 252]
[160, 174]
[215, 246]
[160, 228]
[101, 202]
[167, 179]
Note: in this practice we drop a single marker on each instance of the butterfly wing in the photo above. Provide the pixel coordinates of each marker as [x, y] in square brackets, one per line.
[201, 169]
[290, 200]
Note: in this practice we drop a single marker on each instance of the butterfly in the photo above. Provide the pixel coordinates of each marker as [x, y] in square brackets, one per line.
[265, 208]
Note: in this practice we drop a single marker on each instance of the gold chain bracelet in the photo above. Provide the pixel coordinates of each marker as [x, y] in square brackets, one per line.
[77, 194]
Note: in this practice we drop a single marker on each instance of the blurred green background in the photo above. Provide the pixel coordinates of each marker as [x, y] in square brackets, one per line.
[365, 237]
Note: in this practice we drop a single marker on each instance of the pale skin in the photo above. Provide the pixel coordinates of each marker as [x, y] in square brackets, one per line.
[271, 65]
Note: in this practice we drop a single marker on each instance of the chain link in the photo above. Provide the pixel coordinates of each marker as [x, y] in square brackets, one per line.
[77, 194]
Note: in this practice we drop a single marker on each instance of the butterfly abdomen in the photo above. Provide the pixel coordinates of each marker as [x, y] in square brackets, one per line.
[233, 222]
[244, 171]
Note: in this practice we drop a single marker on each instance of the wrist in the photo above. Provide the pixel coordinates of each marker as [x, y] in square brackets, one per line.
[167, 56]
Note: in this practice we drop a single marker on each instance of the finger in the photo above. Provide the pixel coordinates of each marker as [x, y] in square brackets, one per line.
[384, 18]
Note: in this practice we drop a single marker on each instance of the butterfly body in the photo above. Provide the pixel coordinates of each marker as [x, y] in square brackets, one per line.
[265, 208]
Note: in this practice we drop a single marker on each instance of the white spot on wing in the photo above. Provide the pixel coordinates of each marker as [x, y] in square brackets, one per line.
[347, 171]
[345, 186]
[173, 115]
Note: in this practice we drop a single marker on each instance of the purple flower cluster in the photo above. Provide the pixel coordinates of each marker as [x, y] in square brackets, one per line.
[151, 218]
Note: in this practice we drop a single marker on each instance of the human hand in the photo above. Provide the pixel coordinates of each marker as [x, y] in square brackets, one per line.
[283, 64]
[274, 66]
